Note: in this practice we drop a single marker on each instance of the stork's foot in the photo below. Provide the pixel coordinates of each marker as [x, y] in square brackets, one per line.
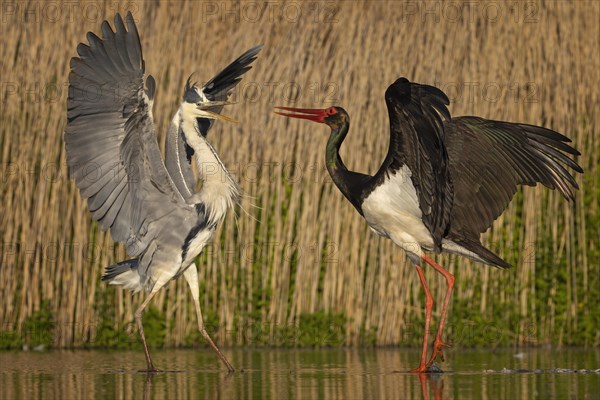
[434, 369]
[421, 369]
[438, 346]
[426, 369]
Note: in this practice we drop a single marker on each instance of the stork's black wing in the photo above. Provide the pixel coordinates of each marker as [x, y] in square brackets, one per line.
[417, 141]
[489, 159]
[112, 151]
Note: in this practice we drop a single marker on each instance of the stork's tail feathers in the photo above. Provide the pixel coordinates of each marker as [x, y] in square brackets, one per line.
[478, 252]
[125, 274]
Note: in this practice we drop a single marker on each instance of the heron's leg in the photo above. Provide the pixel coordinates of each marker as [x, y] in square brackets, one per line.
[191, 276]
[428, 307]
[439, 344]
[138, 318]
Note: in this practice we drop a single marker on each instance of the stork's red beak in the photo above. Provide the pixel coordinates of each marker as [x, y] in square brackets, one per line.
[305, 113]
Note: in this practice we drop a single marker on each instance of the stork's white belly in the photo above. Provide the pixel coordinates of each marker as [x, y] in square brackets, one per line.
[392, 210]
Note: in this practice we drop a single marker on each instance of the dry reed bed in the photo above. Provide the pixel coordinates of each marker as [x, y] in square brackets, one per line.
[304, 248]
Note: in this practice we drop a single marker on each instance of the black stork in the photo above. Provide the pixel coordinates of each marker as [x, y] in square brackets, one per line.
[444, 180]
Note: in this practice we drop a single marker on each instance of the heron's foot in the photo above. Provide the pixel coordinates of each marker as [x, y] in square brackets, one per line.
[151, 370]
[438, 346]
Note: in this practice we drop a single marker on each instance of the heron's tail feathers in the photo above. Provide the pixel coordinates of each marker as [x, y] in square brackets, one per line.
[125, 274]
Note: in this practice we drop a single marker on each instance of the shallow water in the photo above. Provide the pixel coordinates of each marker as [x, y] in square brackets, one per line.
[299, 374]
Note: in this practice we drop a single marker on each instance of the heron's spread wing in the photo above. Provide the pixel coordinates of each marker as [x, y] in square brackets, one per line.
[417, 141]
[488, 159]
[112, 150]
[219, 88]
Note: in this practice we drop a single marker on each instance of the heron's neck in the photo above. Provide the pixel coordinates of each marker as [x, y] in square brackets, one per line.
[219, 191]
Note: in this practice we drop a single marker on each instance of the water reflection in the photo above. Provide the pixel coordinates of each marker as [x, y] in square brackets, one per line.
[295, 374]
[436, 386]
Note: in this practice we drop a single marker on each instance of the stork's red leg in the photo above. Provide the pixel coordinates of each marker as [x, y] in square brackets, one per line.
[439, 344]
[428, 307]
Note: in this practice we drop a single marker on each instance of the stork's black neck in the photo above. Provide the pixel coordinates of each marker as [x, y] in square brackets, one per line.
[350, 183]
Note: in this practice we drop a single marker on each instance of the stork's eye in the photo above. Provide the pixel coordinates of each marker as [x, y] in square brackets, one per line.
[331, 111]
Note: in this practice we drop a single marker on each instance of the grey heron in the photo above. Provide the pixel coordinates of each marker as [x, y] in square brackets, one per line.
[444, 180]
[113, 155]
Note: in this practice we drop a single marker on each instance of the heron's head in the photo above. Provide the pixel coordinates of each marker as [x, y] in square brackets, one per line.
[332, 116]
[197, 105]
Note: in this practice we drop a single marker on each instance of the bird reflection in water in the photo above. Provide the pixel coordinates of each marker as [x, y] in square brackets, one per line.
[435, 382]
[215, 389]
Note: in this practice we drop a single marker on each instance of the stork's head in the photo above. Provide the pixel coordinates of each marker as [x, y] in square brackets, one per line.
[197, 105]
[332, 116]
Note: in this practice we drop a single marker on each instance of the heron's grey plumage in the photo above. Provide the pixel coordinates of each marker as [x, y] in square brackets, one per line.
[178, 161]
[119, 167]
[113, 155]
[177, 152]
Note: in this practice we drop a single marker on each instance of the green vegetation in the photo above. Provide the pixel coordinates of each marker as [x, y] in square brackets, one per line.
[322, 329]
[37, 331]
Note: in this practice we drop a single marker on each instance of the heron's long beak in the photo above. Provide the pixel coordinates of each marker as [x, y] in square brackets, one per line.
[214, 115]
[304, 113]
[206, 104]
[204, 107]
